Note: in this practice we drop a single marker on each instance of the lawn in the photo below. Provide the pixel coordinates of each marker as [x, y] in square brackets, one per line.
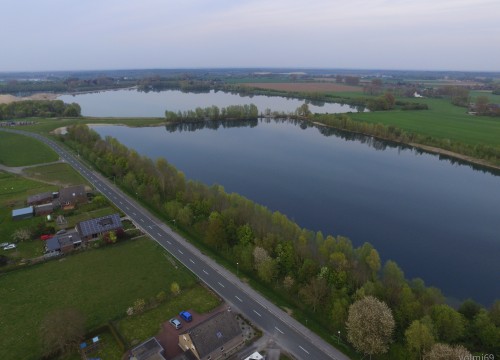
[100, 283]
[493, 98]
[61, 174]
[442, 120]
[19, 150]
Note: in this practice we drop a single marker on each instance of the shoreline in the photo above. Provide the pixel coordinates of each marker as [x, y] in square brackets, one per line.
[427, 148]
[8, 98]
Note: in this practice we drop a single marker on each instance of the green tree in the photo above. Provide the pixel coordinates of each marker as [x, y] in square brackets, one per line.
[469, 309]
[370, 326]
[175, 288]
[495, 313]
[419, 338]
[482, 105]
[61, 331]
[448, 323]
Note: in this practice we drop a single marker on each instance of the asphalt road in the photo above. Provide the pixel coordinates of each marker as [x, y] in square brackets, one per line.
[286, 332]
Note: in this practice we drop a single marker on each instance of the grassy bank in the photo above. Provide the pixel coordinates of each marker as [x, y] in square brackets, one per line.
[61, 174]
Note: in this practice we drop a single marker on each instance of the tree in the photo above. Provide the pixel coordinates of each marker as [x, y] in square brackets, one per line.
[482, 105]
[175, 288]
[370, 325]
[448, 352]
[61, 331]
[419, 338]
[449, 323]
[314, 292]
[495, 313]
[469, 309]
[22, 234]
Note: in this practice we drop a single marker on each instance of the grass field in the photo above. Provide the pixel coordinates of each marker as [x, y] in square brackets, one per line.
[308, 87]
[19, 150]
[442, 120]
[100, 283]
[61, 174]
[493, 98]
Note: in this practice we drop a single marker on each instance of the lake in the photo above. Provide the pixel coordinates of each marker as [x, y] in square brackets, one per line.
[438, 219]
[132, 103]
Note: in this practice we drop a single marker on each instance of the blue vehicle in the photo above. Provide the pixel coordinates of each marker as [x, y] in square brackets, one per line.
[186, 316]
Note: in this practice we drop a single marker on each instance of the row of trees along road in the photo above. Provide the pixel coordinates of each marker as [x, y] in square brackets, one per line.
[324, 276]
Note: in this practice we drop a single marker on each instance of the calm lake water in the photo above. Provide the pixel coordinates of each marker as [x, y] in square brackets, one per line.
[437, 219]
[132, 103]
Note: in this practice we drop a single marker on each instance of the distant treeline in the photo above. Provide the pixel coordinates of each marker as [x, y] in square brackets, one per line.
[68, 85]
[321, 275]
[213, 113]
[38, 108]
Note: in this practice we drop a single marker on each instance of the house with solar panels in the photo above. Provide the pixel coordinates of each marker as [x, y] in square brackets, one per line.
[92, 229]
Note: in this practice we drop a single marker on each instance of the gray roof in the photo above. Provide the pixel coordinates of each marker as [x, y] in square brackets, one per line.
[52, 244]
[46, 196]
[99, 225]
[148, 350]
[214, 332]
[23, 211]
[70, 193]
[58, 241]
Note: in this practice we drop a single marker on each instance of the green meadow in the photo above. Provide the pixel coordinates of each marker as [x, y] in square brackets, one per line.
[442, 120]
[19, 150]
[101, 284]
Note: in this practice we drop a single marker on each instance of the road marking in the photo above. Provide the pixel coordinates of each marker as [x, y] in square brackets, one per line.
[169, 243]
[304, 350]
[134, 214]
[238, 298]
[180, 252]
[191, 261]
[149, 226]
[121, 203]
[257, 313]
[142, 220]
[126, 207]
[159, 234]
[279, 330]
[205, 271]
[220, 284]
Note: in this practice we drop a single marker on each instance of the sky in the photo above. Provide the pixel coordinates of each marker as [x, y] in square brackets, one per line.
[44, 35]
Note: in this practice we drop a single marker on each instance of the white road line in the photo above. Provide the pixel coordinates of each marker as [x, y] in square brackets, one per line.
[142, 220]
[159, 234]
[304, 350]
[169, 243]
[220, 284]
[121, 203]
[180, 252]
[279, 330]
[134, 214]
[126, 207]
[191, 261]
[257, 313]
[238, 298]
[149, 226]
[205, 272]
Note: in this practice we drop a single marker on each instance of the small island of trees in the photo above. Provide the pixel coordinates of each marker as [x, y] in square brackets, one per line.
[213, 113]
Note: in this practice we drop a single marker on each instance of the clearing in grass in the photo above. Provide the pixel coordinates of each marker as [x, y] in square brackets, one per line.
[61, 174]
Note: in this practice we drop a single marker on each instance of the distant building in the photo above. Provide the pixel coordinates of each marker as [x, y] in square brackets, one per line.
[24, 213]
[148, 350]
[213, 338]
[71, 196]
[92, 229]
[44, 209]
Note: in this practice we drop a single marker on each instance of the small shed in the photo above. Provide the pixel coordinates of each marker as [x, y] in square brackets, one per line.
[44, 209]
[24, 213]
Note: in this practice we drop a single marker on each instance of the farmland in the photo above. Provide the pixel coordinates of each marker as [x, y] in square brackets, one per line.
[18, 150]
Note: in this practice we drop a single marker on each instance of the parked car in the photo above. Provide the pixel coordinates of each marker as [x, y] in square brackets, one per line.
[63, 231]
[186, 316]
[3, 244]
[9, 246]
[175, 323]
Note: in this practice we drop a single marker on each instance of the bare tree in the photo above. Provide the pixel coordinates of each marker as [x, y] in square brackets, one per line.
[61, 331]
[447, 352]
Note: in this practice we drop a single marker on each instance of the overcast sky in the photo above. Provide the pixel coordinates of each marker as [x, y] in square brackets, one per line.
[366, 34]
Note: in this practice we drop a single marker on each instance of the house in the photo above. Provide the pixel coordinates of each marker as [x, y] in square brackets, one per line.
[24, 213]
[44, 209]
[40, 199]
[213, 338]
[93, 228]
[71, 196]
[63, 243]
[148, 350]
